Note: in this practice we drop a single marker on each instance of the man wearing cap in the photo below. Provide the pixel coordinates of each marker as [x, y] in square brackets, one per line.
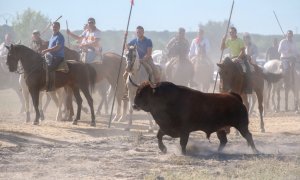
[37, 43]
[90, 42]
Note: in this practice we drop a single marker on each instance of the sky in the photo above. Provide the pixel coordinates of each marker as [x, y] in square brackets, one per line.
[253, 16]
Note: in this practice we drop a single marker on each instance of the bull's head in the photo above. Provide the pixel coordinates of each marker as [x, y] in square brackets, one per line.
[143, 96]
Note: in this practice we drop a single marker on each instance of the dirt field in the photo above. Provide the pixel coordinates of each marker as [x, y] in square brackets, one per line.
[59, 150]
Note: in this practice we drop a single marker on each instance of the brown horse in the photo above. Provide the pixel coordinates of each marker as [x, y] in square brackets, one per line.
[79, 77]
[232, 79]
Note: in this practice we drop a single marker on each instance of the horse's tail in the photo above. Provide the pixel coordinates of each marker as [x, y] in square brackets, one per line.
[272, 77]
[92, 76]
[237, 96]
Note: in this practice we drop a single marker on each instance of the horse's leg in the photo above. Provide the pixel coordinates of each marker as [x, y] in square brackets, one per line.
[259, 95]
[40, 105]
[58, 102]
[69, 103]
[25, 93]
[286, 95]
[35, 99]
[79, 104]
[131, 100]
[48, 99]
[20, 96]
[89, 99]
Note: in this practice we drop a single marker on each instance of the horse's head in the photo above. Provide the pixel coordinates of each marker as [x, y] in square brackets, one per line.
[12, 58]
[228, 72]
[131, 59]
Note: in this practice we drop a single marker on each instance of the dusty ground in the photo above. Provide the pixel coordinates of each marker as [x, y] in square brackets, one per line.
[59, 150]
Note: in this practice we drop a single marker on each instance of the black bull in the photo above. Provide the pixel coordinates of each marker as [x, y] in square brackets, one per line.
[179, 111]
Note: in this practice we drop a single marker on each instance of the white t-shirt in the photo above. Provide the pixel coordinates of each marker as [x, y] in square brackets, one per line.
[287, 49]
[91, 36]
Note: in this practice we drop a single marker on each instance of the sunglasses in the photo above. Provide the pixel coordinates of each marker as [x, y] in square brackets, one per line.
[91, 22]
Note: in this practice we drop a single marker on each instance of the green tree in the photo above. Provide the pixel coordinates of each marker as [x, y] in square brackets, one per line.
[26, 22]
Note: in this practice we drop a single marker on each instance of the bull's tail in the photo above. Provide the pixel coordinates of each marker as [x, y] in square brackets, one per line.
[237, 96]
[92, 76]
[271, 77]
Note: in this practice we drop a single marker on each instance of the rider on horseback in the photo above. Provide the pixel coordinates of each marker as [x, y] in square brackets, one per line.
[144, 50]
[178, 50]
[237, 54]
[37, 43]
[90, 42]
[200, 42]
[54, 55]
[288, 49]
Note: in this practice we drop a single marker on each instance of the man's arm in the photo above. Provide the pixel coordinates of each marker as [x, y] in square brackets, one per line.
[74, 35]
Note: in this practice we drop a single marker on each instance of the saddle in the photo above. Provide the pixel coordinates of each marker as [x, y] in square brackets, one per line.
[50, 76]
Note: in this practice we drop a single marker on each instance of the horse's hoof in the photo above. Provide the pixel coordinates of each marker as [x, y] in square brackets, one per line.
[74, 122]
[297, 112]
[93, 124]
[263, 130]
[42, 115]
[35, 123]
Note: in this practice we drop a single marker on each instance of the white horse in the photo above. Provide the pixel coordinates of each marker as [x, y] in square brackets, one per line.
[57, 100]
[137, 75]
[273, 66]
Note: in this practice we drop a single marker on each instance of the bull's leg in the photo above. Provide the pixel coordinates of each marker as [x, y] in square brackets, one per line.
[79, 103]
[184, 137]
[161, 145]
[248, 136]
[223, 139]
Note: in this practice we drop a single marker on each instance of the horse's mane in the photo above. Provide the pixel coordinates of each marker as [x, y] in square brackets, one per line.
[26, 50]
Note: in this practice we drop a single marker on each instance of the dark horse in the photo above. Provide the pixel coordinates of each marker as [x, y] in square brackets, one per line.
[232, 79]
[79, 77]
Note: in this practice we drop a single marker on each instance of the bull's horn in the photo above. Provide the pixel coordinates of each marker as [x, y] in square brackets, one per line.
[133, 83]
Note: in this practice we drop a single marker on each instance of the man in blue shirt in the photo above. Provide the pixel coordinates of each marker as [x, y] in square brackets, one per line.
[55, 53]
[144, 49]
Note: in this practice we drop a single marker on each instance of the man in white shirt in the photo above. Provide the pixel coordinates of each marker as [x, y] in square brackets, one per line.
[288, 51]
[199, 42]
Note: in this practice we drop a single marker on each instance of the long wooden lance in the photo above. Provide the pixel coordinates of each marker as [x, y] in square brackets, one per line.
[228, 24]
[68, 34]
[279, 24]
[117, 81]
[48, 26]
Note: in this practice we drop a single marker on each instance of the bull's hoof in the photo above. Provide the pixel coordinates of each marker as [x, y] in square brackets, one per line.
[93, 124]
[163, 149]
[35, 123]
